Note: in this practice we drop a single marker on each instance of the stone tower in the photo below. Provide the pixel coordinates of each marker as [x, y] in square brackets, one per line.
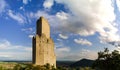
[43, 45]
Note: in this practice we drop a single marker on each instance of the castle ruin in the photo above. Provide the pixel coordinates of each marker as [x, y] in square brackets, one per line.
[43, 45]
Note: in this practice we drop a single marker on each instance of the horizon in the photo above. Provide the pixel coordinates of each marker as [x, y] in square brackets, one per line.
[31, 60]
[80, 29]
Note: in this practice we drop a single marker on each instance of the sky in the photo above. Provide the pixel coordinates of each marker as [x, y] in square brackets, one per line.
[79, 28]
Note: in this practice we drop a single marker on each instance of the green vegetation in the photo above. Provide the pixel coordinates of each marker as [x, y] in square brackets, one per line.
[45, 67]
[33, 67]
[107, 60]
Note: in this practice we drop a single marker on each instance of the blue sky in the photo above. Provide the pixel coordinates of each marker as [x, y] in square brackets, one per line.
[79, 28]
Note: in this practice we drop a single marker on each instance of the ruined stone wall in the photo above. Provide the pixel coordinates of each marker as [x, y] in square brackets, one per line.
[43, 45]
[44, 51]
[43, 27]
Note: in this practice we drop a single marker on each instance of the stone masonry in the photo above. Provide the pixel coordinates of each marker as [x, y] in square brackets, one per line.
[43, 45]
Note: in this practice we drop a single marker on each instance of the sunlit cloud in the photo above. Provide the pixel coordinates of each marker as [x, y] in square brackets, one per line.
[48, 3]
[63, 36]
[83, 42]
[88, 17]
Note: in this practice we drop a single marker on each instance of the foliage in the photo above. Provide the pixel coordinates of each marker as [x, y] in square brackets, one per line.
[107, 60]
[81, 68]
[4, 68]
[18, 67]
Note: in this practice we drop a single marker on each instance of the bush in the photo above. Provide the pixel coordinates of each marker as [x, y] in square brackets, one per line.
[18, 67]
[107, 60]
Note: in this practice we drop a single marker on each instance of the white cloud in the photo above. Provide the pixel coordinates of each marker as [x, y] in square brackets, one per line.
[17, 16]
[63, 49]
[27, 29]
[39, 13]
[62, 15]
[53, 21]
[88, 54]
[85, 17]
[30, 36]
[16, 56]
[118, 4]
[66, 53]
[28, 49]
[3, 5]
[63, 36]
[88, 17]
[83, 53]
[14, 52]
[4, 44]
[22, 8]
[6, 56]
[48, 3]
[25, 1]
[83, 42]
[59, 39]
[61, 52]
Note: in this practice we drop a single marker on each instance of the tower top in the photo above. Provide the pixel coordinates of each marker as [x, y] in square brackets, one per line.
[43, 27]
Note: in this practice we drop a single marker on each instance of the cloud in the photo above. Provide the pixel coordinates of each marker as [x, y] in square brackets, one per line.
[64, 52]
[27, 30]
[52, 19]
[63, 49]
[118, 4]
[14, 52]
[63, 36]
[22, 8]
[25, 1]
[88, 17]
[61, 52]
[4, 44]
[85, 18]
[83, 42]
[84, 53]
[39, 13]
[62, 15]
[3, 5]
[17, 16]
[72, 56]
[30, 36]
[48, 3]
[116, 44]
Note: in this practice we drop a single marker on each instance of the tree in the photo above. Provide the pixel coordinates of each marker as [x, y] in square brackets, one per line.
[29, 67]
[18, 67]
[38, 67]
[47, 66]
[107, 61]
